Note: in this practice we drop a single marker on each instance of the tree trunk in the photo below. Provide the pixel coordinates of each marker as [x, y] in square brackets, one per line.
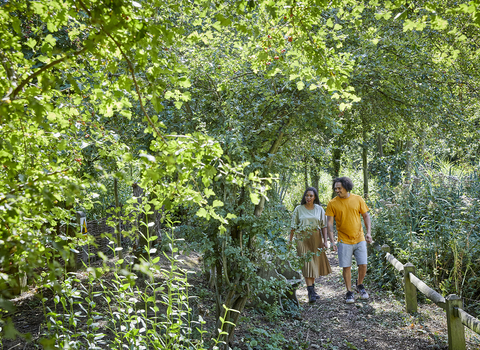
[365, 164]
[282, 186]
[380, 144]
[315, 173]
[305, 171]
[408, 167]
[336, 162]
[237, 299]
[235, 302]
[273, 150]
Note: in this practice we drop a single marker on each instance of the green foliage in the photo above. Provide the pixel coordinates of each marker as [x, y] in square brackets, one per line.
[111, 309]
[389, 171]
[433, 223]
[261, 338]
[96, 91]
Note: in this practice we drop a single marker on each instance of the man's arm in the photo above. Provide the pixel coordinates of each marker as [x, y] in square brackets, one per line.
[368, 224]
[330, 232]
[324, 234]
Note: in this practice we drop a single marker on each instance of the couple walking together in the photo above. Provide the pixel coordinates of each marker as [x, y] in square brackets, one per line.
[309, 219]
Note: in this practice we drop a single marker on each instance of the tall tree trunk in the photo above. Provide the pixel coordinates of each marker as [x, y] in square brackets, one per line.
[408, 167]
[315, 176]
[305, 171]
[380, 144]
[273, 150]
[314, 172]
[336, 161]
[282, 186]
[237, 297]
[70, 231]
[365, 163]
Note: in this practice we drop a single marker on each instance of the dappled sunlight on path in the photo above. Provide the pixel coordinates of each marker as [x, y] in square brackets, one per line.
[378, 323]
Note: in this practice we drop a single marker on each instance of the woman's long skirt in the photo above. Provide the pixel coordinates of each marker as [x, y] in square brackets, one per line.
[318, 265]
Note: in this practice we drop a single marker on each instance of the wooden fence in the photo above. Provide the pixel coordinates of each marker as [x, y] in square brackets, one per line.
[457, 318]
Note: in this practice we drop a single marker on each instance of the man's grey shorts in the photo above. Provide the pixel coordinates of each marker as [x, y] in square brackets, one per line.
[345, 252]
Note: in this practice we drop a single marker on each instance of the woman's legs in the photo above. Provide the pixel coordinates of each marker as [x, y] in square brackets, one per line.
[311, 289]
[309, 281]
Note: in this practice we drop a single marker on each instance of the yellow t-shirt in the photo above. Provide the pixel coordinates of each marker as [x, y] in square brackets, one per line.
[346, 212]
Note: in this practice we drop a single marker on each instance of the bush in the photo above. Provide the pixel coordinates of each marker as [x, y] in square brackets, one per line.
[433, 224]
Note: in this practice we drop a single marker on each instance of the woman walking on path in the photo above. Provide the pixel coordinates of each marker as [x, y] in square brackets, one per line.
[307, 221]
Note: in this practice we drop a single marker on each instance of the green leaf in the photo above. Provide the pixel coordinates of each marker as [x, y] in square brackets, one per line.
[439, 23]
[217, 25]
[127, 157]
[255, 198]
[300, 85]
[16, 25]
[38, 8]
[51, 40]
[5, 154]
[9, 330]
[209, 192]
[184, 82]
[51, 27]
[217, 203]
[223, 20]
[202, 213]
[31, 43]
[156, 102]
[409, 25]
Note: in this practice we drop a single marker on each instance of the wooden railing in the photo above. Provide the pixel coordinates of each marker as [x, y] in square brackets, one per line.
[457, 318]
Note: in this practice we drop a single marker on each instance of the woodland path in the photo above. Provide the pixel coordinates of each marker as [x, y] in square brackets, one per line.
[378, 323]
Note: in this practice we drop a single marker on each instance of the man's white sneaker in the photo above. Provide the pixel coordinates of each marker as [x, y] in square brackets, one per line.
[363, 293]
[350, 298]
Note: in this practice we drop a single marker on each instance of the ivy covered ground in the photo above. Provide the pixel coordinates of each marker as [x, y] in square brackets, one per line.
[379, 323]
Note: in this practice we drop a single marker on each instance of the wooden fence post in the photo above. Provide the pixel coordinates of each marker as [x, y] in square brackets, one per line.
[456, 331]
[410, 289]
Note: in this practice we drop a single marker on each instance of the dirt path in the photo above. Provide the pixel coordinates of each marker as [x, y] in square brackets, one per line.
[379, 323]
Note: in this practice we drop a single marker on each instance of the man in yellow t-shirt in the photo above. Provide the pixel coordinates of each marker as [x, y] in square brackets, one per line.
[346, 209]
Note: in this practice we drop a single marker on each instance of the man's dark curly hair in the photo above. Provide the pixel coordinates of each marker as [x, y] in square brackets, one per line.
[345, 181]
[314, 190]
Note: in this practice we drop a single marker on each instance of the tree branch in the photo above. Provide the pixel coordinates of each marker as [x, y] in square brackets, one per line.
[15, 92]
